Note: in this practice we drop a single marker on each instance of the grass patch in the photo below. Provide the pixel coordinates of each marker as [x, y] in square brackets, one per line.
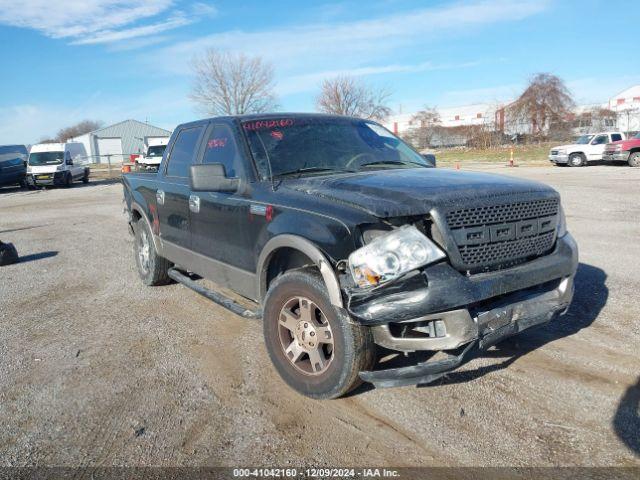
[525, 154]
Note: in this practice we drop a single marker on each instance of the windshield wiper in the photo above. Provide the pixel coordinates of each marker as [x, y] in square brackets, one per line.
[300, 171]
[391, 162]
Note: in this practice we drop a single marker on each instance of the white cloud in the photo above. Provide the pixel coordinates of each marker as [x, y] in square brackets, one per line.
[352, 44]
[310, 81]
[98, 21]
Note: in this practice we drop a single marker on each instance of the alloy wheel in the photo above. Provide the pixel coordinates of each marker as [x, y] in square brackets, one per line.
[305, 336]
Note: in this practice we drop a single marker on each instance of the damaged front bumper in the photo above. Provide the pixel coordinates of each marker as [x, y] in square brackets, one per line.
[480, 311]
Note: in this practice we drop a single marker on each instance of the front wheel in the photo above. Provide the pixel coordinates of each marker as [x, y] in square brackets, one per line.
[85, 178]
[577, 160]
[634, 159]
[317, 350]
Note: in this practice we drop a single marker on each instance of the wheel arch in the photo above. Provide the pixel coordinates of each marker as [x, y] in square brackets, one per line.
[137, 213]
[285, 243]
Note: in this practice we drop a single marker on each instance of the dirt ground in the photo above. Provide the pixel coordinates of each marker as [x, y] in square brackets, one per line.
[98, 370]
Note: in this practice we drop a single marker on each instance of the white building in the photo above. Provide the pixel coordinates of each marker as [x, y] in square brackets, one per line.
[626, 104]
[116, 143]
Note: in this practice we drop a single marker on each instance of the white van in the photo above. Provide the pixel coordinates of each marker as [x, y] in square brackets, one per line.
[57, 164]
[153, 151]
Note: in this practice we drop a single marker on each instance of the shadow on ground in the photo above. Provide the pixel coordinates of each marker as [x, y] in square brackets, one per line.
[626, 422]
[590, 297]
[37, 256]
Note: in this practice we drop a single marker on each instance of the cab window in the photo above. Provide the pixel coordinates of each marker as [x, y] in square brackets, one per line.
[600, 140]
[221, 148]
[183, 152]
[616, 137]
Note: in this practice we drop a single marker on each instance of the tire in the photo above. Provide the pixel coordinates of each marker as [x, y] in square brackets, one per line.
[577, 160]
[68, 180]
[152, 268]
[85, 178]
[347, 348]
[634, 159]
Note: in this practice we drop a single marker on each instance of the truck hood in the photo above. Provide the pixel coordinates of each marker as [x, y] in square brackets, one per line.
[570, 146]
[416, 191]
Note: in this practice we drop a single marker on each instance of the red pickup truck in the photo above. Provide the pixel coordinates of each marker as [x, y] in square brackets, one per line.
[624, 150]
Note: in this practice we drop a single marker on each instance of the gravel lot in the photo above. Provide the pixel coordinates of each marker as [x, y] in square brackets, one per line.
[98, 370]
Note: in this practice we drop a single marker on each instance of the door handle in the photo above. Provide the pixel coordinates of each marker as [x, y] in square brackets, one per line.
[160, 197]
[194, 203]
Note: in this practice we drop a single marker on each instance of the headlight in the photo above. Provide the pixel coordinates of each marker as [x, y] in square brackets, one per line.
[391, 255]
[28, 168]
[562, 224]
[562, 151]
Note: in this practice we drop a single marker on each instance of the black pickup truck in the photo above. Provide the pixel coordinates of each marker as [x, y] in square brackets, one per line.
[353, 248]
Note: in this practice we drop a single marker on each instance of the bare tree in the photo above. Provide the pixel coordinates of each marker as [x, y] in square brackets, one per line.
[76, 130]
[423, 127]
[545, 101]
[352, 97]
[232, 84]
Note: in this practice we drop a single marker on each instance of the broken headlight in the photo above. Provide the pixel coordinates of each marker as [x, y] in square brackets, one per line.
[391, 255]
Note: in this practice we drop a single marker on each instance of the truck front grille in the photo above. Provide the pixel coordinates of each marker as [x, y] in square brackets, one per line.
[500, 236]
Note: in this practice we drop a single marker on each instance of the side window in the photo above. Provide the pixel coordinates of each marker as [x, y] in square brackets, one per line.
[600, 139]
[615, 137]
[221, 148]
[183, 152]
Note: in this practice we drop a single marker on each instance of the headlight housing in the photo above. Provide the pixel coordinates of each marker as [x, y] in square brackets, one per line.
[562, 151]
[562, 223]
[391, 255]
[28, 168]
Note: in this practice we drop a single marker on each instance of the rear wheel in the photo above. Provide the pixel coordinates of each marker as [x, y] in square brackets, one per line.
[152, 268]
[85, 178]
[316, 349]
[634, 159]
[577, 160]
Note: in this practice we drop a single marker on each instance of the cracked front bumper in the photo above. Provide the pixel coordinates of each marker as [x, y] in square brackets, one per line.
[488, 309]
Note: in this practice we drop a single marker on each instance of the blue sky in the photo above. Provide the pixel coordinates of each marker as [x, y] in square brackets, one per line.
[114, 59]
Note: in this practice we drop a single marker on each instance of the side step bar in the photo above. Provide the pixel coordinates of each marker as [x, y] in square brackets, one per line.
[216, 297]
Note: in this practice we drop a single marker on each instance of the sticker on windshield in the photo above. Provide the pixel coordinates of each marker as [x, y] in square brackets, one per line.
[268, 124]
[382, 132]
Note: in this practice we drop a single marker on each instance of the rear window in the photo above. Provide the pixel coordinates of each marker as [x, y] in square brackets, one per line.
[615, 137]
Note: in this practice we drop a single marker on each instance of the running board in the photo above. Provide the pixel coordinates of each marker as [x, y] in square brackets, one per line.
[216, 297]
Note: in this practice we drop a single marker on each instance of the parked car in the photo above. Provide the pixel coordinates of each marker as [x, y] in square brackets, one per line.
[57, 164]
[587, 148]
[153, 150]
[348, 240]
[13, 165]
[624, 151]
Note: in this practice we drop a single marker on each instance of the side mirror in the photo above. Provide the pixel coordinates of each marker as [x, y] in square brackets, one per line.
[430, 158]
[211, 178]
[69, 161]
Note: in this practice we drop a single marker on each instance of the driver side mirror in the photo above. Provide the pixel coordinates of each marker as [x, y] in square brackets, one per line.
[69, 161]
[430, 158]
[211, 177]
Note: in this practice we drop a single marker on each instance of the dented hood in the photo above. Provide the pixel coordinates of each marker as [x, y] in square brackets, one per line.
[415, 191]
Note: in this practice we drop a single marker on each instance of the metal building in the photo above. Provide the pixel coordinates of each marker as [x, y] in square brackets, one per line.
[117, 142]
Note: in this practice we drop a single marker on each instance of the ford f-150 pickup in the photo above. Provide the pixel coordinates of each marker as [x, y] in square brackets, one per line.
[350, 246]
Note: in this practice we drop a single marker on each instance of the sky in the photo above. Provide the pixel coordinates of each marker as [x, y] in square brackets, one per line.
[109, 60]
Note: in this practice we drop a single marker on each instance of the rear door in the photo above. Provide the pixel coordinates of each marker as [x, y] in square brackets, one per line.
[172, 195]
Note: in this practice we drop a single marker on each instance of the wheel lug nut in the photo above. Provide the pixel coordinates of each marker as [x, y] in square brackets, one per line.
[306, 325]
[312, 333]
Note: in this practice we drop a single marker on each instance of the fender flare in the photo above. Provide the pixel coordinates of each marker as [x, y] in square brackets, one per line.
[136, 207]
[310, 250]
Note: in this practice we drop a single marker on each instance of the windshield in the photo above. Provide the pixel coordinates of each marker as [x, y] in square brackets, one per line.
[584, 139]
[325, 145]
[13, 152]
[46, 158]
[156, 150]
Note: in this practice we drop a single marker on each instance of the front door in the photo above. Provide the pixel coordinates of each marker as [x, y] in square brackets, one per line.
[596, 147]
[218, 222]
[172, 195]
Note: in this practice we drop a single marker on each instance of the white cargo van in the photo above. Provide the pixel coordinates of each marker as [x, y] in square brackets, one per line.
[153, 150]
[57, 164]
